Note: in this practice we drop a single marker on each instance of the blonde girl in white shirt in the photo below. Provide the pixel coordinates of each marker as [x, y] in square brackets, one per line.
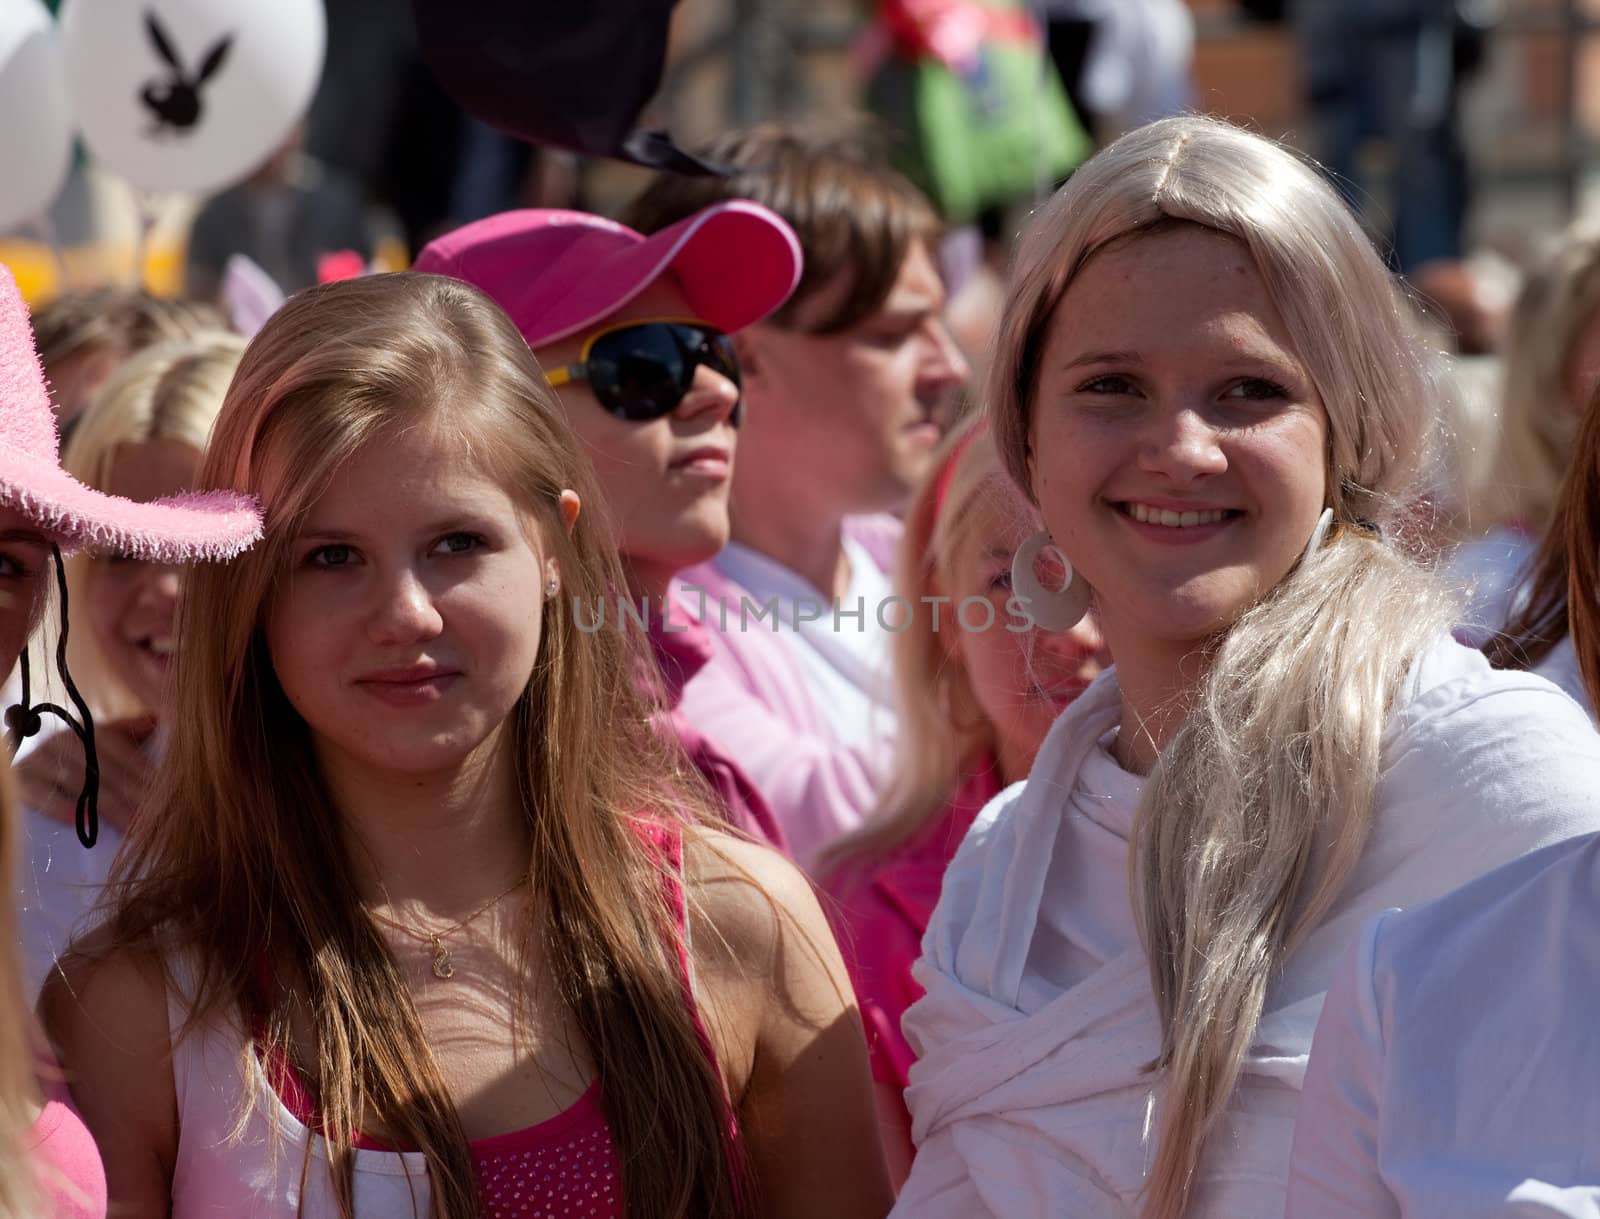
[1204, 381]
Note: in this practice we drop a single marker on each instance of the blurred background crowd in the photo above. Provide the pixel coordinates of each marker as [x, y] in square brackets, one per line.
[1461, 125]
[1461, 130]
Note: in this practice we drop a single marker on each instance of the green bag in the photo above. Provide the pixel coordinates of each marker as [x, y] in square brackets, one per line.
[994, 135]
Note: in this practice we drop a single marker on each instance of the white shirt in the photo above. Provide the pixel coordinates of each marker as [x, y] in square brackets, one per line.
[250, 1163]
[1074, 939]
[1456, 1070]
[1491, 573]
[846, 659]
[60, 883]
[1031, 1098]
[61, 880]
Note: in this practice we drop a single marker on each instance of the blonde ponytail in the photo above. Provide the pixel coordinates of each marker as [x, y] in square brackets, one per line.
[1254, 816]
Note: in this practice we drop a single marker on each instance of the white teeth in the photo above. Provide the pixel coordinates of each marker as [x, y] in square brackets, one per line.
[1174, 520]
[162, 647]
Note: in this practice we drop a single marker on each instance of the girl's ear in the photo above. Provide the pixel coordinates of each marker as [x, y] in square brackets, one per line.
[570, 507]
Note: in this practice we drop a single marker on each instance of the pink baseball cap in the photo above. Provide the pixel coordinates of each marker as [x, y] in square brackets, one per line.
[558, 272]
[213, 525]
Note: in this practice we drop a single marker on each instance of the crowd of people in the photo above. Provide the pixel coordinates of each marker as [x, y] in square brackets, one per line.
[618, 720]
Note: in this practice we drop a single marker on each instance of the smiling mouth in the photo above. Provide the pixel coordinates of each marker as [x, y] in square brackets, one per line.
[1172, 519]
[159, 648]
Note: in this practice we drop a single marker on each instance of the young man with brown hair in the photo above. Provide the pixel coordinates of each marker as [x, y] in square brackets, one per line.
[846, 391]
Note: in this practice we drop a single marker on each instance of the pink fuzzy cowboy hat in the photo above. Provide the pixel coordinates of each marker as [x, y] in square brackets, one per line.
[214, 525]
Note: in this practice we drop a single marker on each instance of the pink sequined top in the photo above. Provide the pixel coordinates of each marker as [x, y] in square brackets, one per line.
[566, 1166]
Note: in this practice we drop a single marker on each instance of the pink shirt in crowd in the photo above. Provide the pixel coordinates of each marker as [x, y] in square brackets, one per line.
[682, 648]
[71, 1179]
[755, 700]
[881, 908]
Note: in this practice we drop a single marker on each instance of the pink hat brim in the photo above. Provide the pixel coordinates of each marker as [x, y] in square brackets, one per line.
[211, 525]
[736, 261]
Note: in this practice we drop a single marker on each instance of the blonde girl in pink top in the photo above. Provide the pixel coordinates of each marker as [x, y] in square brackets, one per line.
[427, 919]
[977, 696]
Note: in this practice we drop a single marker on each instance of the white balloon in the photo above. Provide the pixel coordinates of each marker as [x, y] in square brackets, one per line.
[36, 135]
[190, 95]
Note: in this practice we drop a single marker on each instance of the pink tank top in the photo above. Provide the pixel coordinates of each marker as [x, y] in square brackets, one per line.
[66, 1163]
[565, 1166]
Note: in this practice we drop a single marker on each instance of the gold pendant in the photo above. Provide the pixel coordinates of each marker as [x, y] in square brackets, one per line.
[441, 959]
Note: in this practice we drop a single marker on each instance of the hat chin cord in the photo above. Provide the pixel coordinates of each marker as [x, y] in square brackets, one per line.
[24, 720]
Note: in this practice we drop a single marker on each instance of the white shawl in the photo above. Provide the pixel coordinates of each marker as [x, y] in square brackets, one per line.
[1050, 1112]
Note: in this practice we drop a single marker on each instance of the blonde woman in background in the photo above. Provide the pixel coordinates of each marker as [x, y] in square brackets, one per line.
[978, 692]
[83, 337]
[142, 438]
[1204, 382]
[1551, 366]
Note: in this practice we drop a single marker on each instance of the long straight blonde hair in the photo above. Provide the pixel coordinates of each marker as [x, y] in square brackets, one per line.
[1258, 808]
[19, 1089]
[1564, 594]
[242, 863]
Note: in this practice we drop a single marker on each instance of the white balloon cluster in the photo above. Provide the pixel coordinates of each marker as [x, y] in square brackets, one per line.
[173, 95]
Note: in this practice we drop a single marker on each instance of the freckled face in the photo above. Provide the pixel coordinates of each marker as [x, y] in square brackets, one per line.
[408, 621]
[1177, 443]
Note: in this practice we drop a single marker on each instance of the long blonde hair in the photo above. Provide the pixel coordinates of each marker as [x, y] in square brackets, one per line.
[1258, 808]
[1564, 595]
[244, 863]
[172, 391]
[942, 730]
[19, 1089]
[1538, 424]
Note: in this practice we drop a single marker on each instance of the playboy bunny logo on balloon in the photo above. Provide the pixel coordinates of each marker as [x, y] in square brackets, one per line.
[190, 95]
[175, 102]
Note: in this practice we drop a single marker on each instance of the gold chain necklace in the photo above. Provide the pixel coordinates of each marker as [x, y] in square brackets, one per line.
[442, 968]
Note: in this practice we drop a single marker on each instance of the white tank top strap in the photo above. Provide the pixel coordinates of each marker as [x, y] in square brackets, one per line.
[255, 1168]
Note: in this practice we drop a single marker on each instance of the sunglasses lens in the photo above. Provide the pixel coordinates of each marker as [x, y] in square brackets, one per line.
[638, 373]
[717, 355]
[642, 372]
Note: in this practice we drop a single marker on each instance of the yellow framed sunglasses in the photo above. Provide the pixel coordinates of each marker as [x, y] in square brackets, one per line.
[641, 370]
